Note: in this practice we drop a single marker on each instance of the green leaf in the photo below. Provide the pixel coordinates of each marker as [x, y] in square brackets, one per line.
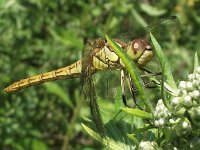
[138, 113]
[164, 64]
[196, 61]
[115, 145]
[152, 11]
[143, 129]
[58, 91]
[133, 138]
[132, 69]
[39, 145]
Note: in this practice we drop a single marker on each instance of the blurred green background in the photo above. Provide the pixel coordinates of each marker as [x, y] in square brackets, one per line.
[41, 35]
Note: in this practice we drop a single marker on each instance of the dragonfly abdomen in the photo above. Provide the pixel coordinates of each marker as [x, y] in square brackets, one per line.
[71, 71]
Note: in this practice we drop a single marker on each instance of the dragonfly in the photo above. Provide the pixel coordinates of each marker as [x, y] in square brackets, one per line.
[102, 57]
[98, 56]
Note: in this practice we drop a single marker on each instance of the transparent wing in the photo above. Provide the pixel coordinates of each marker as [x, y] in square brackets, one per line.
[163, 29]
[108, 86]
[106, 83]
[88, 87]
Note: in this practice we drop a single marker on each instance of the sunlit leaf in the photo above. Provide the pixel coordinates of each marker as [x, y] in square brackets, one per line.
[152, 11]
[111, 144]
[164, 63]
[138, 113]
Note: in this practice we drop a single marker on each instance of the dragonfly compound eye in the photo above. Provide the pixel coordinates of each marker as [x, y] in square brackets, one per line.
[140, 50]
[147, 53]
[136, 48]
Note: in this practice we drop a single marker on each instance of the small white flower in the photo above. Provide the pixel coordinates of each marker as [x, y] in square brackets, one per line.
[175, 101]
[196, 94]
[143, 144]
[195, 83]
[182, 85]
[191, 77]
[158, 110]
[156, 123]
[172, 121]
[185, 125]
[187, 100]
[147, 145]
[189, 85]
[161, 121]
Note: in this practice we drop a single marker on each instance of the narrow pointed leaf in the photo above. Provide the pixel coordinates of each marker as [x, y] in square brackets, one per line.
[106, 141]
[133, 138]
[143, 129]
[138, 113]
[164, 63]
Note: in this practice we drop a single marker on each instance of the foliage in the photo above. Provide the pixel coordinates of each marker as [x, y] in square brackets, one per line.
[40, 35]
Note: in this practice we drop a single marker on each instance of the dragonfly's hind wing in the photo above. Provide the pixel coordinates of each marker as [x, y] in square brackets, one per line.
[164, 29]
[106, 83]
[88, 86]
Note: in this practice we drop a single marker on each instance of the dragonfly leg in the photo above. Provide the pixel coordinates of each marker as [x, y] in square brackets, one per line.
[123, 87]
[150, 73]
[147, 84]
[133, 90]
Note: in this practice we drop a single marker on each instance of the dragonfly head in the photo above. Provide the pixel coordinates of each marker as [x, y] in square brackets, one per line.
[140, 51]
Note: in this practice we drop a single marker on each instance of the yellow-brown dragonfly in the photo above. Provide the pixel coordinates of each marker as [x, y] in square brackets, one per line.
[103, 58]
[97, 56]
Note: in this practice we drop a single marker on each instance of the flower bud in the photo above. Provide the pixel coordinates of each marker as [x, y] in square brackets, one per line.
[182, 85]
[189, 86]
[187, 101]
[147, 145]
[183, 128]
[161, 121]
[191, 77]
[196, 94]
[175, 101]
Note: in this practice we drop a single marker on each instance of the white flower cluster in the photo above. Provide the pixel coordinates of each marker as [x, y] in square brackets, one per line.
[189, 91]
[144, 145]
[189, 97]
[161, 114]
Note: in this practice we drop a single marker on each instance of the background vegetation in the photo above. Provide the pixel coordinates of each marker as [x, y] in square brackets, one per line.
[42, 35]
